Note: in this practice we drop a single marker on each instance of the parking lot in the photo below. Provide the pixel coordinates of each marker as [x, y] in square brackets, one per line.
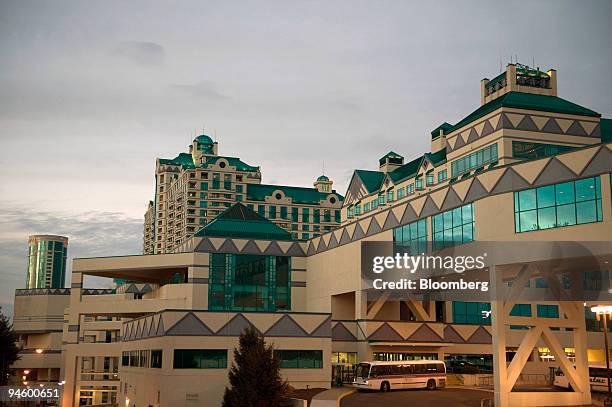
[420, 398]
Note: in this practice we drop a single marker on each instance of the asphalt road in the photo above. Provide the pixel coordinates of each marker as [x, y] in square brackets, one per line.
[417, 398]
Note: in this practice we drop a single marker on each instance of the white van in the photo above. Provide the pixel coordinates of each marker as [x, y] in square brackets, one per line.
[407, 374]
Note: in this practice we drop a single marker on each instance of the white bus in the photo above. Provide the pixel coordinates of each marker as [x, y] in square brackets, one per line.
[407, 374]
[597, 378]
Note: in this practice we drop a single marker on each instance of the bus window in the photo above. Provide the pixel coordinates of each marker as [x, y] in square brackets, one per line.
[363, 370]
[406, 369]
[379, 370]
[419, 369]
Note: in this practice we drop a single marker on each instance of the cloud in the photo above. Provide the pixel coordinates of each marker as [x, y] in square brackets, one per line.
[90, 234]
[144, 53]
[202, 90]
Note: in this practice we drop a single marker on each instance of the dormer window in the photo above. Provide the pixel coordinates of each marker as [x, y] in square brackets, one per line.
[381, 199]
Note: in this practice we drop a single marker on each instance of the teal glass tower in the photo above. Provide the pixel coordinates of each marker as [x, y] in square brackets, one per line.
[46, 261]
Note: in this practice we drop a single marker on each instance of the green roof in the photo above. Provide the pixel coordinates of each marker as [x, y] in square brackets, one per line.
[437, 158]
[372, 180]
[498, 78]
[406, 171]
[444, 127]
[183, 159]
[204, 139]
[234, 162]
[605, 126]
[303, 195]
[527, 101]
[322, 178]
[238, 221]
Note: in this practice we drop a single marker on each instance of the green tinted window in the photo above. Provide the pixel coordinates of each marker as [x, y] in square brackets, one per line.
[563, 204]
[530, 151]
[453, 227]
[300, 359]
[411, 238]
[200, 359]
[240, 282]
[471, 313]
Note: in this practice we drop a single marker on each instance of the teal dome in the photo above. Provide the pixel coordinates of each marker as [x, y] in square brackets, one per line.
[204, 139]
[322, 178]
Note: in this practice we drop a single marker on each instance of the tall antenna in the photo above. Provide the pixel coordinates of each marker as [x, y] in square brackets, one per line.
[323, 167]
[500, 61]
[533, 61]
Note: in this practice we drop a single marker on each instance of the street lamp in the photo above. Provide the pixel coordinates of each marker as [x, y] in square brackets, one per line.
[39, 351]
[606, 312]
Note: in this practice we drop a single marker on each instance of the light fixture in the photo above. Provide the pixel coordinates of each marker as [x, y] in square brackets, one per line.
[39, 351]
[602, 309]
[26, 371]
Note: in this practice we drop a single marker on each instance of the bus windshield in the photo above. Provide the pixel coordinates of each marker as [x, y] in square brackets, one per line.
[363, 370]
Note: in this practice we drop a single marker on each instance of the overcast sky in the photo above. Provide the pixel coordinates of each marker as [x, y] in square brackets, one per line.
[92, 92]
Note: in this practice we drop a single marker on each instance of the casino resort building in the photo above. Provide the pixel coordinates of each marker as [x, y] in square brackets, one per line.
[224, 252]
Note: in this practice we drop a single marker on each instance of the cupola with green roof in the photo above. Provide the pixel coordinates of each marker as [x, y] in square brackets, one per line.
[323, 184]
[203, 145]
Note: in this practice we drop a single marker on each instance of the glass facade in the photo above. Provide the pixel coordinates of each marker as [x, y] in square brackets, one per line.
[300, 359]
[453, 227]
[411, 238]
[471, 313]
[552, 206]
[476, 159]
[530, 151]
[243, 282]
[200, 359]
[46, 263]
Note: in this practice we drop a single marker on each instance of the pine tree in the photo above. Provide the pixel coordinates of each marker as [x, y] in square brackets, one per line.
[9, 352]
[255, 375]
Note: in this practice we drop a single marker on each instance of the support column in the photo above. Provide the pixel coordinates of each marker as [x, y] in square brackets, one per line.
[501, 389]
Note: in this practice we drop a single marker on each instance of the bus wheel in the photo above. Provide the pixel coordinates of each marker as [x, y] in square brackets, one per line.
[431, 384]
[385, 387]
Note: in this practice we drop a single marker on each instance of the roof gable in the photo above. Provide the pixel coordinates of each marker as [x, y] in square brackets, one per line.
[241, 222]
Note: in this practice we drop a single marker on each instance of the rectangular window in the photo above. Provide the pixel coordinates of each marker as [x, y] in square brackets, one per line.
[476, 313]
[216, 184]
[242, 282]
[350, 211]
[337, 215]
[411, 238]
[375, 204]
[125, 358]
[300, 359]
[418, 184]
[156, 358]
[357, 209]
[305, 215]
[453, 227]
[239, 188]
[204, 186]
[531, 151]
[305, 236]
[283, 212]
[410, 189]
[316, 216]
[442, 176]
[476, 159]
[200, 359]
[272, 212]
[294, 214]
[401, 193]
[381, 199]
[390, 196]
[366, 207]
[548, 311]
[326, 215]
[227, 181]
[559, 205]
[429, 179]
